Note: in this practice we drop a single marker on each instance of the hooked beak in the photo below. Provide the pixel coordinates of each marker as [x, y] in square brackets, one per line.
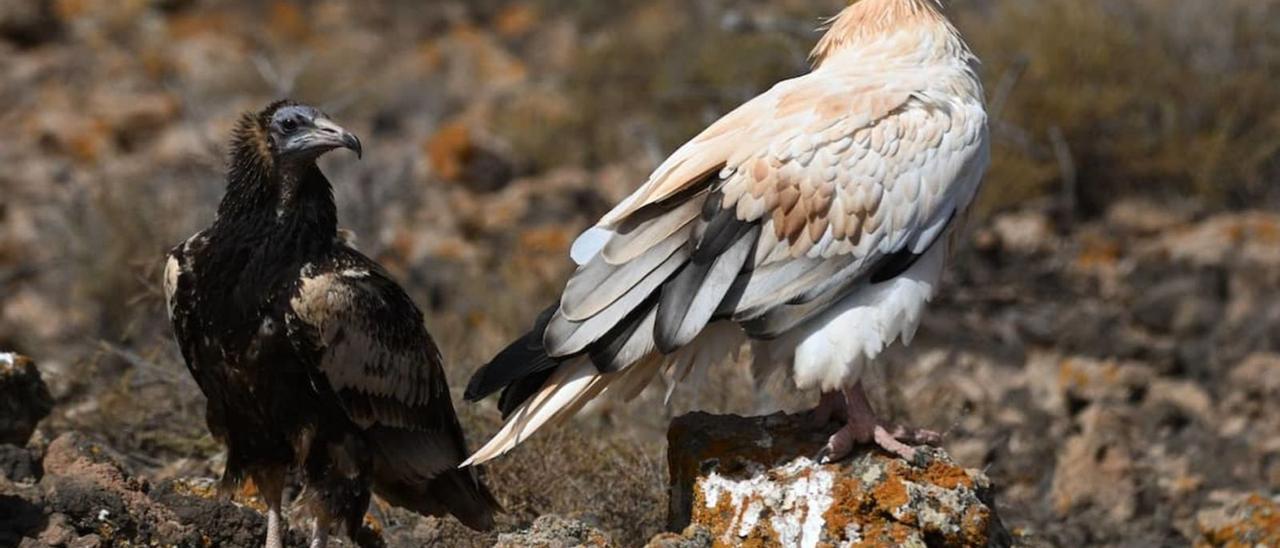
[331, 135]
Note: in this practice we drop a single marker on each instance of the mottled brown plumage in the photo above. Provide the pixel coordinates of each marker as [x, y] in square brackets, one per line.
[311, 357]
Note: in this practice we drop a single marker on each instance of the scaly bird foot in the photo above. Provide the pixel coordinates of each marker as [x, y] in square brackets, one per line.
[863, 426]
[897, 440]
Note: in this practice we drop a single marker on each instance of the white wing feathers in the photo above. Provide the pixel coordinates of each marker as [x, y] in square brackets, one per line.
[823, 179]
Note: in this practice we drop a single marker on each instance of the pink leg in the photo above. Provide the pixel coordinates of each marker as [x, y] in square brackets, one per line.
[830, 406]
[863, 426]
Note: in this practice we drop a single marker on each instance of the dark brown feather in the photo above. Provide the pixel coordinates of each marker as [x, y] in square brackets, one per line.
[341, 392]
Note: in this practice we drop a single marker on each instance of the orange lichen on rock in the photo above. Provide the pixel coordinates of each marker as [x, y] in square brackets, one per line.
[448, 149]
[1254, 521]
[515, 20]
[743, 483]
[719, 512]
[890, 493]
[947, 476]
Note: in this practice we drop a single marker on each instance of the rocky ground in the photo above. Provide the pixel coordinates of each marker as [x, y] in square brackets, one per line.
[732, 481]
[1105, 348]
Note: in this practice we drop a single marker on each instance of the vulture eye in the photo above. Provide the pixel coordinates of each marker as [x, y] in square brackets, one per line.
[289, 125]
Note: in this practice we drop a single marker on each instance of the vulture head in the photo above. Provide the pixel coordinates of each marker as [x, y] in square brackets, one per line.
[286, 133]
[302, 132]
[273, 162]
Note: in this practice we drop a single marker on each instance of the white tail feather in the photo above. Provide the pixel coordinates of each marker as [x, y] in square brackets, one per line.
[635, 378]
[577, 382]
[572, 385]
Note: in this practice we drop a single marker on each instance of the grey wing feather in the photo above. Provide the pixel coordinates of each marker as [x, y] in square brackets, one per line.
[771, 319]
[759, 290]
[691, 299]
[598, 284]
[565, 336]
[633, 342]
[638, 235]
[780, 318]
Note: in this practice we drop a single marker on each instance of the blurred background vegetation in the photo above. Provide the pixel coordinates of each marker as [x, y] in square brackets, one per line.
[497, 129]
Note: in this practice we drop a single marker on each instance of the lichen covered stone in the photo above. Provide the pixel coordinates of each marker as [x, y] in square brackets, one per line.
[1253, 520]
[750, 482]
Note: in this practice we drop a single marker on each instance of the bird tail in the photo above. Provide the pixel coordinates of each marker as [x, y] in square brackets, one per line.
[564, 391]
[538, 390]
[519, 370]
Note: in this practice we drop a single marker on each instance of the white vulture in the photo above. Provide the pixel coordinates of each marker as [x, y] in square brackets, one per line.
[811, 222]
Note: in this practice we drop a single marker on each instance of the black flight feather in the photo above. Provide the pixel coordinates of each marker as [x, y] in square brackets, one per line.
[522, 389]
[523, 357]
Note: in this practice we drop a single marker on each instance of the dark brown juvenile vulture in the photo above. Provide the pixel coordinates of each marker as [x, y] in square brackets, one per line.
[310, 356]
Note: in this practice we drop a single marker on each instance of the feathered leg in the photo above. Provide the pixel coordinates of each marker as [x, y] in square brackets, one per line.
[271, 487]
[274, 538]
[319, 533]
[863, 426]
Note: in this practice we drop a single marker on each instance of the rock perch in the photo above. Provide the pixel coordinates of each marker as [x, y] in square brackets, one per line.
[741, 479]
[24, 399]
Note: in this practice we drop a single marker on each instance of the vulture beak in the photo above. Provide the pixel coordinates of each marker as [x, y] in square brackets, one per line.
[326, 135]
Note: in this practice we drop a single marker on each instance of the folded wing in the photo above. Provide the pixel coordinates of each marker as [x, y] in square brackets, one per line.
[370, 347]
[767, 218]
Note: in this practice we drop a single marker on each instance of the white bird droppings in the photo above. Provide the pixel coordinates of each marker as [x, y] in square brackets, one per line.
[796, 495]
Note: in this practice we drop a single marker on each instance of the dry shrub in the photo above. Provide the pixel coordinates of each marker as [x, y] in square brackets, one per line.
[1163, 99]
[589, 471]
[1090, 98]
[646, 76]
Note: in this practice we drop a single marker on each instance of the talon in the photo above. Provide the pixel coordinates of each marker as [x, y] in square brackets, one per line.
[839, 445]
[862, 426]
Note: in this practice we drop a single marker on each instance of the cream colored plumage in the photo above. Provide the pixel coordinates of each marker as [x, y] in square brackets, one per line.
[811, 221]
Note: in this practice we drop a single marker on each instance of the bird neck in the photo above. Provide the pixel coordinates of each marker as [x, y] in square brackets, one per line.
[306, 201]
[910, 29]
[289, 204]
